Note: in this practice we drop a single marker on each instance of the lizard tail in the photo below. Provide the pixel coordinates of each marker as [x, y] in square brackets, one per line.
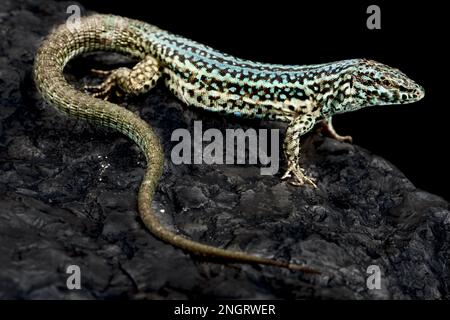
[109, 33]
[197, 248]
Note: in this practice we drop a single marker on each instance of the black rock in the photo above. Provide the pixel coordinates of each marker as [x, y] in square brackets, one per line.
[68, 197]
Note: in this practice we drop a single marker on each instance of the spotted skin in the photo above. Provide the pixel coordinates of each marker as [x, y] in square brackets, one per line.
[208, 79]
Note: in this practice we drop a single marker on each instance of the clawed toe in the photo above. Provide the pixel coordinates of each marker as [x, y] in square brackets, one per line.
[286, 175]
[297, 177]
[102, 90]
[101, 72]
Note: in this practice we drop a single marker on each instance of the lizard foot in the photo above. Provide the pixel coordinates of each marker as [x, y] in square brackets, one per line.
[297, 176]
[340, 138]
[109, 85]
[328, 131]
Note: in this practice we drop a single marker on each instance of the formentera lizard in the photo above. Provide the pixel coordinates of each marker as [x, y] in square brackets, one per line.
[203, 77]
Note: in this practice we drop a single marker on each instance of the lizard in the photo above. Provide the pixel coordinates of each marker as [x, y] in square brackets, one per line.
[202, 77]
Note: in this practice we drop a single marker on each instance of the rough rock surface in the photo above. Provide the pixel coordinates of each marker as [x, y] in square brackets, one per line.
[68, 197]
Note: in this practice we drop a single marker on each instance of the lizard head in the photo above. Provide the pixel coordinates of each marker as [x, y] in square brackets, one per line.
[374, 83]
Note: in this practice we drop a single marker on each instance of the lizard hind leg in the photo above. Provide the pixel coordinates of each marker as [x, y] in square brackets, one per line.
[142, 78]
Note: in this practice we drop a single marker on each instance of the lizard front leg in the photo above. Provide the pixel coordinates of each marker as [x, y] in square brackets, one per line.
[140, 79]
[298, 127]
[328, 130]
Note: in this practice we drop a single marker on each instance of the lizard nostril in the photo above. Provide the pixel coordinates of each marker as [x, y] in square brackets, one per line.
[419, 92]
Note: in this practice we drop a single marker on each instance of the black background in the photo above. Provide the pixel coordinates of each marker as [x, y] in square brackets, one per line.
[412, 38]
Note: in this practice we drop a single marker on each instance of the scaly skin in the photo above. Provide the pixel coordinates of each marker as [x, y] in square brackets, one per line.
[208, 79]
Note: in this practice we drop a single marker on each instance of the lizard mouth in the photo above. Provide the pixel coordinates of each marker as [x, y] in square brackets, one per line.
[412, 94]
